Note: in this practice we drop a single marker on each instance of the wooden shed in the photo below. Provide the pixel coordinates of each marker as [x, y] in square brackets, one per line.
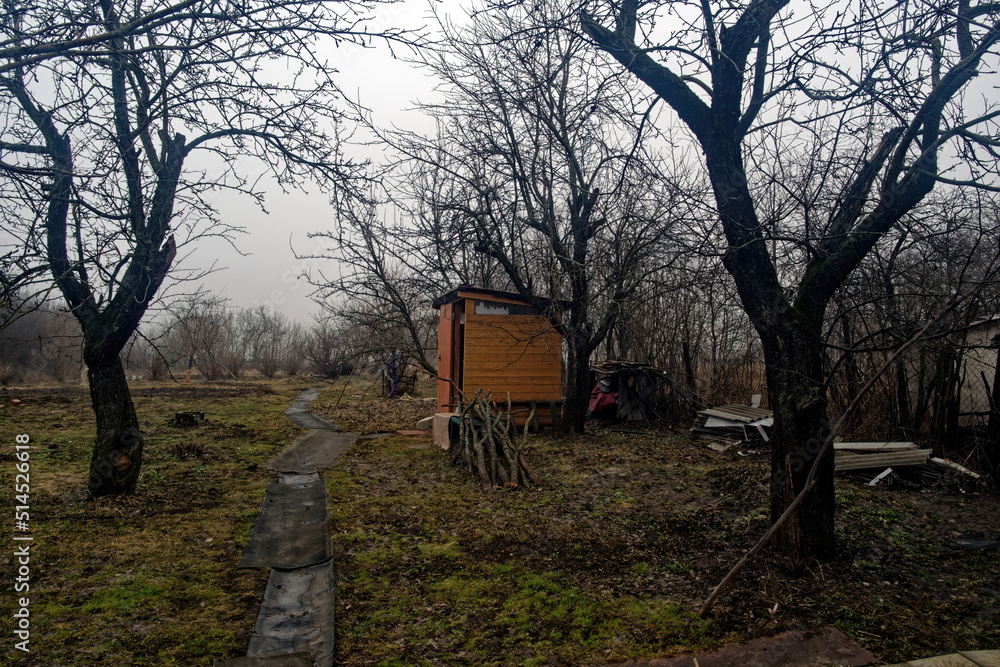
[497, 341]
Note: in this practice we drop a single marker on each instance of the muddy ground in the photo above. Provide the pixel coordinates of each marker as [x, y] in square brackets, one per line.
[607, 560]
[642, 519]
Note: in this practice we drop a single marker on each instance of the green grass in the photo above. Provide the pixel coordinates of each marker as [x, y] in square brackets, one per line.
[435, 571]
[148, 579]
[883, 517]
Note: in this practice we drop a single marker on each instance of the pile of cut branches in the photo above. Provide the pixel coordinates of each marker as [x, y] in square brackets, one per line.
[488, 443]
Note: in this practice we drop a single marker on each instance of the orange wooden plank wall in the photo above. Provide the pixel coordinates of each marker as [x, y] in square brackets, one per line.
[516, 354]
[447, 347]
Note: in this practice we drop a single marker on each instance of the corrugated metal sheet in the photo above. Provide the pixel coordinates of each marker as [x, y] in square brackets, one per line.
[849, 461]
[873, 446]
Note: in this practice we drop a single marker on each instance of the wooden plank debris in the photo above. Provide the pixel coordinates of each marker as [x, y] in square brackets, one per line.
[882, 475]
[740, 413]
[962, 658]
[851, 461]
[951, 660]
[982, 658]
[873, 446]
[734, 422]
[957, 468]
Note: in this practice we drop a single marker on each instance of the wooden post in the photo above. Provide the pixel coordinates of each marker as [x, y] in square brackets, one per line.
[536, 426]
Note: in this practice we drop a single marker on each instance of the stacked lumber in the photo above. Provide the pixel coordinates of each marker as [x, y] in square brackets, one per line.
[862, 455]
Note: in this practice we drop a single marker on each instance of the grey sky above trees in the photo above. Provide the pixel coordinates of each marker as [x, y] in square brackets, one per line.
[382, 81]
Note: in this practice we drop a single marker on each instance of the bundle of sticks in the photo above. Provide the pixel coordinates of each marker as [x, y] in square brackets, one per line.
[488, 442]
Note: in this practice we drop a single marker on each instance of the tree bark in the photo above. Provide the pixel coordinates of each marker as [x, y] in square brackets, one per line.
[790, 334]
[796, 395]
[577, 397]
[117, 456]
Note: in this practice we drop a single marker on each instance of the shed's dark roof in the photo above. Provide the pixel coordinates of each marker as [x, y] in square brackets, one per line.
[452, 296]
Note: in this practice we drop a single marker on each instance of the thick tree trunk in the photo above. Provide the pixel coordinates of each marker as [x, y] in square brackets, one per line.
[796, 394]
[790, 338]
[117, 456]
[578, 387]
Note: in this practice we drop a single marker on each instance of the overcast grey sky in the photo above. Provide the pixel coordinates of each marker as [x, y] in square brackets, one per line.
[269, 273]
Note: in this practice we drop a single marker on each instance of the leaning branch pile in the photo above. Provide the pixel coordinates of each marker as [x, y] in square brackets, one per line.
[488, 443]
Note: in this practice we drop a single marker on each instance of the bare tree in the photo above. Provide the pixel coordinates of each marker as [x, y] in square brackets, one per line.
[867, 99]
[39, 341]
[145, 356]
[106, 106]
[232, 351]
[535, 167]
[383, 287]
[295, 349]
[947, 245]
[323, 348]
[197, 329]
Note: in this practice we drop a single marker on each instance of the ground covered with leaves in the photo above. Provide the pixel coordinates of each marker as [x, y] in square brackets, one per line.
[611, 557]
[359, 406]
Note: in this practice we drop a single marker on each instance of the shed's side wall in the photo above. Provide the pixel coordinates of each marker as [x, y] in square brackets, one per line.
[447, 352]
[979, 359]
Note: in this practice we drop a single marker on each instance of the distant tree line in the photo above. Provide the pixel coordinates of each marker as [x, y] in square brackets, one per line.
[221, 343]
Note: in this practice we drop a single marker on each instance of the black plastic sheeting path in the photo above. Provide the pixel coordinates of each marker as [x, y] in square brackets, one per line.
[291, 535]
[312, 452]
[291, 529]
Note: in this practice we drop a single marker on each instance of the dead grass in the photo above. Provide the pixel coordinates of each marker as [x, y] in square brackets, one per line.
[149, 579]
[358, 406]
[610, 559]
